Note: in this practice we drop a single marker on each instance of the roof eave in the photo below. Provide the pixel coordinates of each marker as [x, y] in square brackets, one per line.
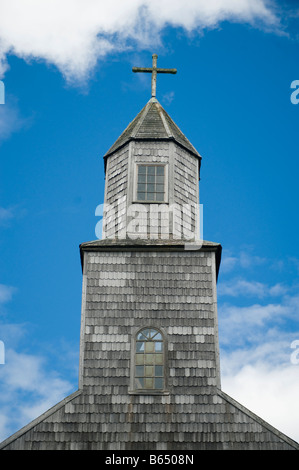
[149, 139]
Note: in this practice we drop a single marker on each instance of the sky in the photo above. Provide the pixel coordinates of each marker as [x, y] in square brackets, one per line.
[69, 93]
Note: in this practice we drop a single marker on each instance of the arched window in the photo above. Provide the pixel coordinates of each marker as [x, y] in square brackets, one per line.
[149, 360]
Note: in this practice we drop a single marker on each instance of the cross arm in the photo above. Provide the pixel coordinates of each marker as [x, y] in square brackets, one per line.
[166, 70]
[149, 70]
[142, 69]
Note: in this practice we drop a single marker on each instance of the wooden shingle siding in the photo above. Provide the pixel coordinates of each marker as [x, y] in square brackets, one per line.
[193, 413]
[149, 292]
[116, 190]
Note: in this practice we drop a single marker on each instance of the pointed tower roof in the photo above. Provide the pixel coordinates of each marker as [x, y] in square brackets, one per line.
[152, 123]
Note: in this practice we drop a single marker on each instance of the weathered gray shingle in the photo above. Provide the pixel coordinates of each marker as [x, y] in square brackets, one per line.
[152, 123]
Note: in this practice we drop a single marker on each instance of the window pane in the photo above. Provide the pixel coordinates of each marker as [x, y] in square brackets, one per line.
[158, 346]
[156, 335]
[145, 332]
[160, 170]
[149, 358]
[151, 170]
[139, 383]
[141, 187]
[139, 346]
[148, 383]
[159, 383]
[158, 371]
[150, 178]
[149, 346]
[149, 371]
[141, 335]
[153, 333]
[141, 169]
[158, 358]
[139, 359]
[141, 178]
[150, 187]
[160, 197]
[160, 179]
[141, 196]
[150, 196]
[160, 188]
[139, 371]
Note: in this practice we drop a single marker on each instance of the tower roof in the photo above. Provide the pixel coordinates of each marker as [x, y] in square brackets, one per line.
[152, 123]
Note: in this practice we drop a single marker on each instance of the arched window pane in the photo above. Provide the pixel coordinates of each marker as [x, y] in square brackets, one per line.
[149, 360]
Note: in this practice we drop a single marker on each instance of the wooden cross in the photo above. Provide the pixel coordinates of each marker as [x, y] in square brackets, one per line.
[153, 70]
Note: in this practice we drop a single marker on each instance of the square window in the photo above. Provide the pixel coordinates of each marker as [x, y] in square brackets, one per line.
[150, 183]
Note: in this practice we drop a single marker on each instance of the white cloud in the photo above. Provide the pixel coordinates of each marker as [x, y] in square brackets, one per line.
[270, 392]
[28, 388]
[10, 122]
[5, 215]
[6, 293]
[262, 377]
[241, 287]
[239, 325]
[245, 260]
[74, 34]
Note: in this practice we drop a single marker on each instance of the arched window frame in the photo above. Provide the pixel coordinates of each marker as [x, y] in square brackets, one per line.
[134, 389]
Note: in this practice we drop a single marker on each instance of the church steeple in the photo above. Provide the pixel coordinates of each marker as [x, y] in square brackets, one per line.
[152, 162]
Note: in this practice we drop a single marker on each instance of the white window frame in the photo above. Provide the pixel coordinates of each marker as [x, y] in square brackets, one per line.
[135, 198]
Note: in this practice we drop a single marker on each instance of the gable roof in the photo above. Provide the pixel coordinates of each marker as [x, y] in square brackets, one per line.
[152, 123]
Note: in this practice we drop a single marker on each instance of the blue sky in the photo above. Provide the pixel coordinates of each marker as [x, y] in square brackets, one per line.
[69, 93]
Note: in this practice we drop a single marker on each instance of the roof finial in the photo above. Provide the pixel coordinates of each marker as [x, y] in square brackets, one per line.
[153, 70]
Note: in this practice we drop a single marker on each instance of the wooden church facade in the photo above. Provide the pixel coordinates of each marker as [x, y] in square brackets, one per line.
[149, 375]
